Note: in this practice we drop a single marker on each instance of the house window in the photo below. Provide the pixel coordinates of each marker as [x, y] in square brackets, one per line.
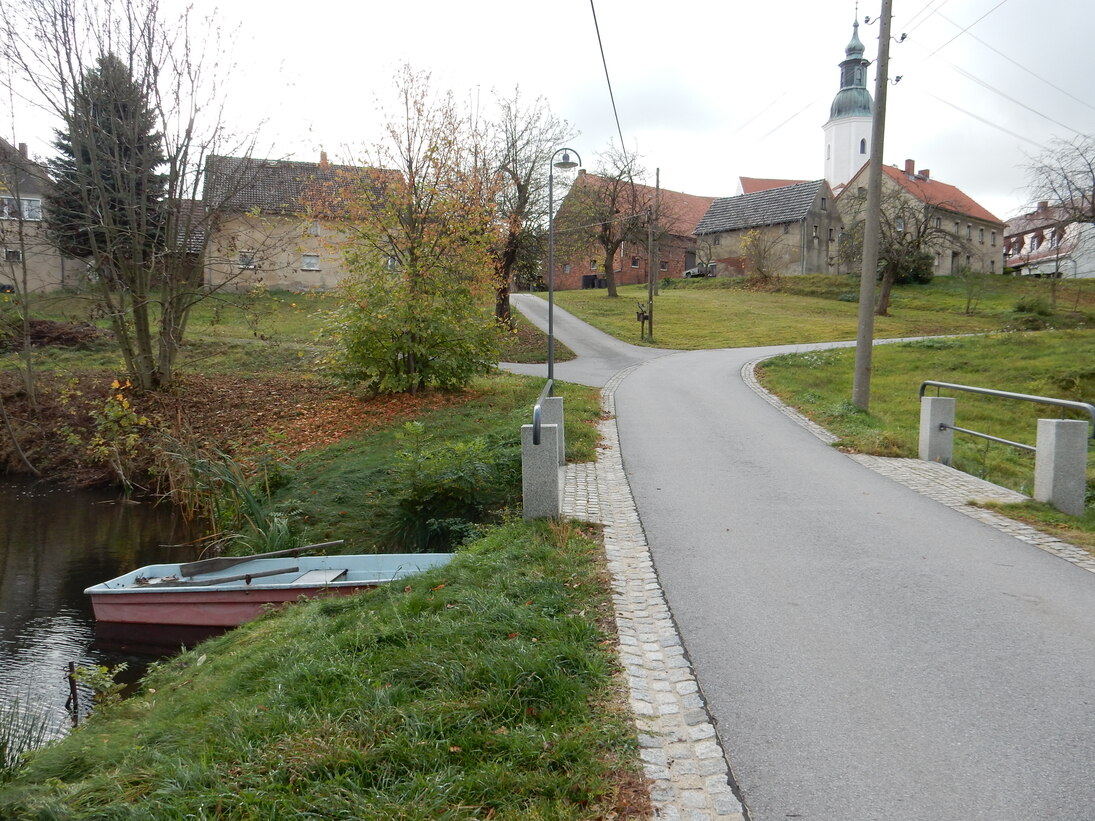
[862, 146]
[309, 262]
[824, 204]
[899, 225]
[634, 262]
[13, 209]
[861, 191]
[969, 231]
[13, 255]
[828, 152]
[716, 241]
[981, 235]
[992, 266]
[938, 223]
[391, 263]
[787, 228]
[830, 235]
[969, 260]
[566, 268]
[246, 259]
[938, 260]
[957, 228]
[664, 266]
[593, 265]
[992, 239]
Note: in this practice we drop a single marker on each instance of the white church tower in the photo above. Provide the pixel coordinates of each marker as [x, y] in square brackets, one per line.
[848, 132]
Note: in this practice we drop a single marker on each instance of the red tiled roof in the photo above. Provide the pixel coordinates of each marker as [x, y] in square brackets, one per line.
[681, 212]
[751, 185]
[940, 194]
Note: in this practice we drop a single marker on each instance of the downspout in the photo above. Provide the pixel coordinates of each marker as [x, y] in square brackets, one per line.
[802, 252]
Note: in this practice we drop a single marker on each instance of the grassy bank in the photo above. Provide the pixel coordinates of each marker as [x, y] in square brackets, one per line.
[724, 312]
[1048, 363]
[484, 689]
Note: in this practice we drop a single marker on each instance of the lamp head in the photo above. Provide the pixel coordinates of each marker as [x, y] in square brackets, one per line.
[566, 162]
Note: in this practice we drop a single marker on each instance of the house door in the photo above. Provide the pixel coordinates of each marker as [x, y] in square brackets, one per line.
[689, 259]
[954, 262]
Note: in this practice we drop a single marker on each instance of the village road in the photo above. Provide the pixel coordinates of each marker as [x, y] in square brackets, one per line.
[866, 653]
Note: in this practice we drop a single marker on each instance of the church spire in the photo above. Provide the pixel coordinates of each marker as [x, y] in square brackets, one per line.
[848, 131]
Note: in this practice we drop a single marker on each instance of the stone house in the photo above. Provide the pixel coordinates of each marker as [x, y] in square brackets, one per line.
[964, 233]
[1050, 242]
[30, 260]
[799, 222]
[274, 223]
[581, 264]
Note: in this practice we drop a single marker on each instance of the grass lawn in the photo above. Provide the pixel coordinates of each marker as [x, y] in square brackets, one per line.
[484, 689]
[721, 313]
[1047, 363]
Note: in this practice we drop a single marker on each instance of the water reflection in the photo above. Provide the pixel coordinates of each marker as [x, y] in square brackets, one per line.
[53, 544]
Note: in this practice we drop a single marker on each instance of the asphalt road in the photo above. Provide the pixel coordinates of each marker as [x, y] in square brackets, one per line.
[866, 653]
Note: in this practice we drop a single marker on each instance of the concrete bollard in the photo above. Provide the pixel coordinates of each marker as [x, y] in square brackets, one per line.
[551, 410]
[936, 445]
[1060, 467]
[540, 472]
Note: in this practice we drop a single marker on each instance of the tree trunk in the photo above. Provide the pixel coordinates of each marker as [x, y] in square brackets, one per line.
[502, 310]
[884, 290]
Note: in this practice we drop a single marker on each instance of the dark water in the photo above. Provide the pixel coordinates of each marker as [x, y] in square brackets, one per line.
[53, 544]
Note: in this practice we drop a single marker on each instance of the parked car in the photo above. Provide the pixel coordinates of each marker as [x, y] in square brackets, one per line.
[700, 271]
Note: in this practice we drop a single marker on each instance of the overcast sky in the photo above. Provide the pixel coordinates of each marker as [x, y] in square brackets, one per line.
[706, 90]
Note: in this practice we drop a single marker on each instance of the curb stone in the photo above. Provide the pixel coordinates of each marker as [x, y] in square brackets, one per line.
[688, 776]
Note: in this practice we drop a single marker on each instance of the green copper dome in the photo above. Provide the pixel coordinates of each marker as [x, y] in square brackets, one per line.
[853, 99]
[851, 102]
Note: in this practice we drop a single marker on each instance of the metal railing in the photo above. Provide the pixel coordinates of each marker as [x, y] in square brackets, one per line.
[537, 409]
[1085, 407]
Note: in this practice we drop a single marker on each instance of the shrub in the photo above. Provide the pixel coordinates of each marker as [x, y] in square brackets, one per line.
[436, 494]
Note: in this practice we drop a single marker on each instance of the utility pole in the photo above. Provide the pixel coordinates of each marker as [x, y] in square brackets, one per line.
[651, 245]
[861, 385]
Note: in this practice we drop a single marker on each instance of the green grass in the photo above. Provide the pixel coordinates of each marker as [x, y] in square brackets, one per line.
[338, 490]
[477, 690]
[721, 313]
[1051, 363]
[528, 344]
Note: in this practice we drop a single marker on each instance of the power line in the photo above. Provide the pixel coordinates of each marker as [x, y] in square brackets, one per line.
[985, 120]
[1016, 63]
[967, 28]
[608, 79]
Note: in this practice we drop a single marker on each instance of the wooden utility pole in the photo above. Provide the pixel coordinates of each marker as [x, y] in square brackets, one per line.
[651, 246]
[861, 386]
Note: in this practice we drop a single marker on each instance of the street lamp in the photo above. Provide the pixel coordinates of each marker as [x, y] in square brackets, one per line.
[565, 162]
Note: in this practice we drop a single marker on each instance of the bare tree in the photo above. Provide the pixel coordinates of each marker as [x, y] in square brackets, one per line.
[911, 234]
[765, 252]
[525, 138]
[607, 209]
[144, 241]
[1064, 176]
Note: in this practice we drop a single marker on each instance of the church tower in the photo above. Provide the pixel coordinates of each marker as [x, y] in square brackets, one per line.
[848, 131]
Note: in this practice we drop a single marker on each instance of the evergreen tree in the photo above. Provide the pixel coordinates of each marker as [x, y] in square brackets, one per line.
[107, 203]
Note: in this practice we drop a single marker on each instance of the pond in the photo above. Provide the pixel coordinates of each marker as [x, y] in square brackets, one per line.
[53, 544]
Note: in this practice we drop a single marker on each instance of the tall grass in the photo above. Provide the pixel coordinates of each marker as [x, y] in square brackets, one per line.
[23, 729]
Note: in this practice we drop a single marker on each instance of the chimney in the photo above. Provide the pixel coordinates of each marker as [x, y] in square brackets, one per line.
[23, 149]
[910, 168]
[323, 159]
[925, 174]
[581, 172]
[1043, 206]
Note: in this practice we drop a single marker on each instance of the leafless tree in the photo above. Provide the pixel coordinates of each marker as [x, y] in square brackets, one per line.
[911, 234]
[1064, 176]
[607, 209]
[525, 137]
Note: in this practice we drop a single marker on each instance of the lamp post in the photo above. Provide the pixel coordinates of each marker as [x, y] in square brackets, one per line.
[564, 163]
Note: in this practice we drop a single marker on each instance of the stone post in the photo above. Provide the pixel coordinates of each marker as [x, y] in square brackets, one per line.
[1060, 467]
[936, 445]
[540, 472]
[551, 410]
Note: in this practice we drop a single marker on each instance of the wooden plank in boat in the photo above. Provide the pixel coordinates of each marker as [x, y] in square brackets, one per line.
[321, 576]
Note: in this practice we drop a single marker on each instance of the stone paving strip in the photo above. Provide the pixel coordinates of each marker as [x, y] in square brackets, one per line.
[940, 482]
[682, 758]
